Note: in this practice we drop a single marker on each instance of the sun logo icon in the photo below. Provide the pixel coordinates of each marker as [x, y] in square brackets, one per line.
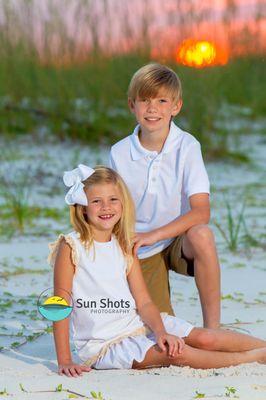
[55, 308]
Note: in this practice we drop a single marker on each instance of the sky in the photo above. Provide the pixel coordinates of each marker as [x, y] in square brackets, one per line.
[121, 25]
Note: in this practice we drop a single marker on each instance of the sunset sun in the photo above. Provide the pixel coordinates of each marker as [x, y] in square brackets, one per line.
[199, 54]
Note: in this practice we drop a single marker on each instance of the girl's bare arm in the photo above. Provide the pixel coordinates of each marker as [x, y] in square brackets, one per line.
[149, 313]
[146, 308]
[63, 278]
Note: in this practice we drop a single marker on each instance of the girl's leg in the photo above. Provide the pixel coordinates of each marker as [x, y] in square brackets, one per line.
[222, 340]
[197, 358]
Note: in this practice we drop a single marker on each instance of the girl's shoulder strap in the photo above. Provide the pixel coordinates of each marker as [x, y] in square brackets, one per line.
[71, 240]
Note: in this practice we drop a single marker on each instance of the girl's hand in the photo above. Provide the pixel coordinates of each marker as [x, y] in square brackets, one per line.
[175, 343]
[144, 239]
[71, 369]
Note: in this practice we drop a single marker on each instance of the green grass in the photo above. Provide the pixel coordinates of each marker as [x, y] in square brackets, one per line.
[80, 93]
[231, 230]
[88, 102]
[199, 395]
[21, 271]
[16, 198]
[16, 212]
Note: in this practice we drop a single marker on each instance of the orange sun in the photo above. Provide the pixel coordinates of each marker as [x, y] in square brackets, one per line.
[199, 54]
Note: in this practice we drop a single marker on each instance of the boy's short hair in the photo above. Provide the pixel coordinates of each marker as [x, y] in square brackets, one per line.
[149, 79]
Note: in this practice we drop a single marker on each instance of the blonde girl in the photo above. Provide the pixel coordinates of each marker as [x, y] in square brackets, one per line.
[114, 322]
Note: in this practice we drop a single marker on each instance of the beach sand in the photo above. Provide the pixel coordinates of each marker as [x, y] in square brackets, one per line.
[31, 361]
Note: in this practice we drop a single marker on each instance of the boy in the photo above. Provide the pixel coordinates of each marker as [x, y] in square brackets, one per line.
[163, 168]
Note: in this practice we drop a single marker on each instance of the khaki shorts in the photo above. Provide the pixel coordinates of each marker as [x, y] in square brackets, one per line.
[156, 273]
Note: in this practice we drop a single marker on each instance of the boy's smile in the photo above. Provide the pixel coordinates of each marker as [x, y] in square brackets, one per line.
[154, 114]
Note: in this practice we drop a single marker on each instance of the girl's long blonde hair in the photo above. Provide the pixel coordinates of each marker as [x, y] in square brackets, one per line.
[124, 228]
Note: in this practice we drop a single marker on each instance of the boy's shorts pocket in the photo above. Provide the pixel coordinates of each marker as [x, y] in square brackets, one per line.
[175, 260]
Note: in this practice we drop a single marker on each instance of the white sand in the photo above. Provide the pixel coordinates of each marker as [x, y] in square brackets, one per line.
[243, 277]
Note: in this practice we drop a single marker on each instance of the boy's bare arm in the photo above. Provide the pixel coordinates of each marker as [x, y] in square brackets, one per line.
[199, 214]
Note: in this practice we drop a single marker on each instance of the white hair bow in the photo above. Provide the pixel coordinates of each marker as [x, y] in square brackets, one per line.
[73, 179]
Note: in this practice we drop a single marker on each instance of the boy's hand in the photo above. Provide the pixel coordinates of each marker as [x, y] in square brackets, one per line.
[71, 369]
[144, 239]
[175, 343]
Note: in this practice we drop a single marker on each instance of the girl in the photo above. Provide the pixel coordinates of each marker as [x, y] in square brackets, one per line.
[114, 321]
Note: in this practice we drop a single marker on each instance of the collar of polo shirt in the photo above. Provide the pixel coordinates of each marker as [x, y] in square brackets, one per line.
[138, 151]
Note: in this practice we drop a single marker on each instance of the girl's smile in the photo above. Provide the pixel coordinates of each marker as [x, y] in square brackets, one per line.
[104, 209]
[108, 216]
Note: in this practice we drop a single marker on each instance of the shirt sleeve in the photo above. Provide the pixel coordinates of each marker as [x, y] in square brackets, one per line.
[112, 161]
[195, 177]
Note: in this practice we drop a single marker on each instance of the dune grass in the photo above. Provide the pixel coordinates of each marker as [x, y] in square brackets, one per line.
[81, 92]
[89, 102]
[233, 225]
[16, 199]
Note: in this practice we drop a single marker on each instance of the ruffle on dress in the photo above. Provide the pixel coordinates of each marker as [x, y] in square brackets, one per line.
[54, 246]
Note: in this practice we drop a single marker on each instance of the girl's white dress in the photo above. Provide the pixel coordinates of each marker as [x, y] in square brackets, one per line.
[106, 328]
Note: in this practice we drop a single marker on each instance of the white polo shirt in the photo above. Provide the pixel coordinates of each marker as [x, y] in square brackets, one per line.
[160, 183]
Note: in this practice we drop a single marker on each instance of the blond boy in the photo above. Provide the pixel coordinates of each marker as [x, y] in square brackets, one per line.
[163, 168]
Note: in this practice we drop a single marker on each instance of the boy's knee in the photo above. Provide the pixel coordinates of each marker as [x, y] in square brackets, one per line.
[200, 234]
[205, 339]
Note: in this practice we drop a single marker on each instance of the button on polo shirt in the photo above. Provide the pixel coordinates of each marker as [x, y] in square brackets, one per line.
[160, 183]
